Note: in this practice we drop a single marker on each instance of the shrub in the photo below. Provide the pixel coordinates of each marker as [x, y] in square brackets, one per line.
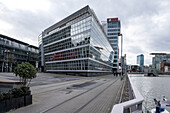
[17, 92]
[26, 90]
[7, 96]
[1, 96]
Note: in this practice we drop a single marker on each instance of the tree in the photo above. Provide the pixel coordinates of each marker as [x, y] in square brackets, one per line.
[26, 73]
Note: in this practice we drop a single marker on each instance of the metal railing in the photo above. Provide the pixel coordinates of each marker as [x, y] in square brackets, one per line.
[134, 105]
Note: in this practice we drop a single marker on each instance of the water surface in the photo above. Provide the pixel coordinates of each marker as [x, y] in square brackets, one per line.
[152, 87]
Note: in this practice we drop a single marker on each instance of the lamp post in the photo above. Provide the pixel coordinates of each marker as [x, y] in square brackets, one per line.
[119, 34]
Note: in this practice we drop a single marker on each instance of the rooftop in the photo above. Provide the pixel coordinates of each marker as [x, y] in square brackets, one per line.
[18, 41]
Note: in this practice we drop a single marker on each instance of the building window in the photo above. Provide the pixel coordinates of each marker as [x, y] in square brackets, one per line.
[112, 33]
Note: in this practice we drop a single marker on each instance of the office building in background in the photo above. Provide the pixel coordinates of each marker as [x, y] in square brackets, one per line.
[140, 60]
[112, 27]
[160, 60]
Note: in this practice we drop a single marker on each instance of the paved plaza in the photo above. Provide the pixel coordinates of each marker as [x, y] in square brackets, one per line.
[57, 93]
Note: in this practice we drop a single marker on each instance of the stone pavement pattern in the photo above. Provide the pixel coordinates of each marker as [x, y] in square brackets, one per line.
[57, 94]
[104, 102]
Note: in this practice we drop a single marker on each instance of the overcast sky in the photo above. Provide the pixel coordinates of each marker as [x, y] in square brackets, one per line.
[145, 24]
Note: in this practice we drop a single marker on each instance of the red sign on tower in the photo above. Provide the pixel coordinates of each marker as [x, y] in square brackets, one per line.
[112, 20]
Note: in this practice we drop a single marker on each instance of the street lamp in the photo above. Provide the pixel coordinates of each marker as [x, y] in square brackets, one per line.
[119, 34]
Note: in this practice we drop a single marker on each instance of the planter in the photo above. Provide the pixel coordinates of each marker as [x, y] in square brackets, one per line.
[8, 105]
[13, 103]
[21, 101]
[2, 106]
[18, 102]
[27, 100]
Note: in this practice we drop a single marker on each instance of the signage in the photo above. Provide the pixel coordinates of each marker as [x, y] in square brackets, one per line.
[112, 20]
[157, 53]
[64, 55]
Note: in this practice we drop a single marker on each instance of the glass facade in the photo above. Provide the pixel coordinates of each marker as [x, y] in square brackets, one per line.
[13, 52]
[113, 28]
[156, 61]
[80, 45]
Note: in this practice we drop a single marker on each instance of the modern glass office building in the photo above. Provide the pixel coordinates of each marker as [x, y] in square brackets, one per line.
[77, 45]
[13, 52]
[113, 27]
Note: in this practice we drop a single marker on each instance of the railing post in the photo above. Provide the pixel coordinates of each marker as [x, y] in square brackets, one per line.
[130, 91]
[139, 107]
[133, 108]
[126, 110]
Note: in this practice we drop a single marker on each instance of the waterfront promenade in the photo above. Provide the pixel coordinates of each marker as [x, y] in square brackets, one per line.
[54, 93]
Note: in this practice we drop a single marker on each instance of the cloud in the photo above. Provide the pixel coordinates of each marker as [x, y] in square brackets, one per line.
[148, 30]
[4, 25]
[24, 25]
[28, 5]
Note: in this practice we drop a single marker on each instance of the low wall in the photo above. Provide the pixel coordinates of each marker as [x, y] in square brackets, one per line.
[6, 85]
[136, 72]
[133, 105]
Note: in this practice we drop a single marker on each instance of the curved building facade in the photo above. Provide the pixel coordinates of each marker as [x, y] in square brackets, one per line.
[77, 45]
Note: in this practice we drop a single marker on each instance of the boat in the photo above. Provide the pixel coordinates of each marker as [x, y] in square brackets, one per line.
[161, 106]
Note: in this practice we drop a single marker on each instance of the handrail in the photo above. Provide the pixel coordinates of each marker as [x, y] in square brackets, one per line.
[132, 105]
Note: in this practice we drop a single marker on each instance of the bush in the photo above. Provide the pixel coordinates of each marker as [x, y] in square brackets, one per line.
[17, 92]
[7, 96]
[1, 96]
[26, 90]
